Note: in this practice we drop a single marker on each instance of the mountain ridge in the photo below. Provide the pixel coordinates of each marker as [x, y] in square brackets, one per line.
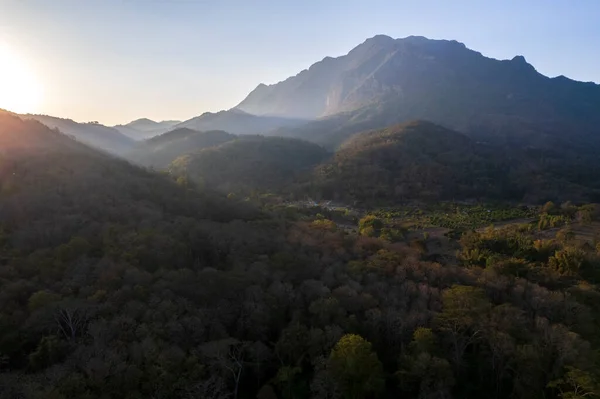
[237, 121]
[144, 128]
[384, 81]
[97, 135]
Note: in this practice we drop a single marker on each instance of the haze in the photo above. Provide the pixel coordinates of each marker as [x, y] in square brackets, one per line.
[114, 61]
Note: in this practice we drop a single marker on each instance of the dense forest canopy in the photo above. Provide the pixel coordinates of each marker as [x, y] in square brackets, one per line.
[119, 282]
[416, 160]
[422, 161]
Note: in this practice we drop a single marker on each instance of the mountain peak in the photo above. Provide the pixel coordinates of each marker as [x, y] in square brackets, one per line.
[519, 59]
[143, 120]
[385, 80]
[522, 63]
[380, 39]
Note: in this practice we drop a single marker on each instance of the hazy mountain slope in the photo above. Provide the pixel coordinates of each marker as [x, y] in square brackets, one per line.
[18, 136]
[160, 151]
[99, 136]
[385, 81]
[144, 128]
[251, 162]
[147, 125]
[44, 171]
[238, 122]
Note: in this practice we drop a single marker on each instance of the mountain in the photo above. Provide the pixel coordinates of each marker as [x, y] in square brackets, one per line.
[94, 134]
[424, 161]
[144, 128]
[43, 168]
[160, 151]
[385, 81]
[146, 125]
[250, 163]
[238, 122]
[414, 160]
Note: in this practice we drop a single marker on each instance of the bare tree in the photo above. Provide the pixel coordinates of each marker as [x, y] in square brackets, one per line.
[212, 388]
[71, 321]
[229, 355]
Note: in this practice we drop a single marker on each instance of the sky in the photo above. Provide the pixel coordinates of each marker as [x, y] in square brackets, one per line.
[114, 61]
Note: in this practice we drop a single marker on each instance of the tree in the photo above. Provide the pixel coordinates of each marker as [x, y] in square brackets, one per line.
[229, 355]
[49, 351]
[40, 299]
[464, 308]
[71, 320]
[421, 371]
[423, 341]
[355, 368]
[370, 226]
[549, 208]
[567, 261]
[577, 384]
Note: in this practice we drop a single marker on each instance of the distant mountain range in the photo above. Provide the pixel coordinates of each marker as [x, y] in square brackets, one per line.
[145, 128]
[94, 134]
[380, 83]
[385, 81]
[239, 122]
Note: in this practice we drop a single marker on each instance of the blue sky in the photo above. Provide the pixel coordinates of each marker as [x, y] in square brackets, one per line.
[118, 60]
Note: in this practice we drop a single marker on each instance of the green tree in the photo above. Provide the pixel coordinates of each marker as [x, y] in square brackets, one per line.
[423, 340]
[370, 226]
[40, 299]
[549, 208]
[421, 373]
[50, 350]
[355, 368]
[464, 309]
[577, 384]
[567, 261]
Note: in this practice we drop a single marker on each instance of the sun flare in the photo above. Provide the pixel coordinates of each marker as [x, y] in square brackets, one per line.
[19, 89]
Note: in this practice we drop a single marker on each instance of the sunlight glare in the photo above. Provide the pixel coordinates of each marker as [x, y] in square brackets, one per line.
[20, 91]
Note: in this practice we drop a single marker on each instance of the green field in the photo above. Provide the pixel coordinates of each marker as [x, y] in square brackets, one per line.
[454, 216]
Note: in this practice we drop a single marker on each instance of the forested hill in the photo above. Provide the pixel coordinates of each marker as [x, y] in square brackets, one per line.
[251, 163]
[160, 151]
[425, 161]
[416, 160]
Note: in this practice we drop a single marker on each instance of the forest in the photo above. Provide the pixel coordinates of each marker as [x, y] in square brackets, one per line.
[120, 282]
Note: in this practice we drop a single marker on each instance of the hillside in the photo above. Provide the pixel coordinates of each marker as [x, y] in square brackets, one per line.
[384, 81]
[144, 128]
[250, 163]
[160, 151]
[415, 160]
[46, 174]
[238, 122]
[94, 134]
